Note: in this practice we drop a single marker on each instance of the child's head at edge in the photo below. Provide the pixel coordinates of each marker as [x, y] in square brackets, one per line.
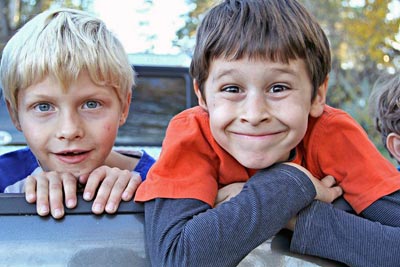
[384, 104]
[61, 43]
[274, 30]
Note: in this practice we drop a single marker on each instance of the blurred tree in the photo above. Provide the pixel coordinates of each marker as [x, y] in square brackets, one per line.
[363, 41]
[362, 38]
[14, 13]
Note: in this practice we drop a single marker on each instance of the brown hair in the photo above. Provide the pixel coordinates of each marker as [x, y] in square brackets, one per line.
[261, 29]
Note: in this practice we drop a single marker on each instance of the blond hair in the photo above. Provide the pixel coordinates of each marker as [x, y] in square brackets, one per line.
[61, 43]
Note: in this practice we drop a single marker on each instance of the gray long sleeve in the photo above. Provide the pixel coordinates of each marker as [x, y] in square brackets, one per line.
[187, 232]
[324, 231]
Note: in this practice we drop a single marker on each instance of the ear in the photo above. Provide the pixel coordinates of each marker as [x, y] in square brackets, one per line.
[317, 105]
[14, 116]
[200, 99]
[125, 108]
[393, 145]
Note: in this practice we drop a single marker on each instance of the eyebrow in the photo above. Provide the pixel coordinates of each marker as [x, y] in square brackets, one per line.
[234, 71]
[224, 72]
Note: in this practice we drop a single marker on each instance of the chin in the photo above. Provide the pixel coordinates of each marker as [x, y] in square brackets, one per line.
[257, 164]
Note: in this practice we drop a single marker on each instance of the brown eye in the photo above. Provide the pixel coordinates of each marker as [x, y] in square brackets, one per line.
[231, 89]
[278, 88]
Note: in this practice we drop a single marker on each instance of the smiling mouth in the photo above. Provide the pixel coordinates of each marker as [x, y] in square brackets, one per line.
[73, 157]
[260, 135]
[71, 154]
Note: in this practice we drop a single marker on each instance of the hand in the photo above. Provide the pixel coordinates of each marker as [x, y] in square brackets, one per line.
[114, 184]
[326, 188]
[46, 189]
[227, 192]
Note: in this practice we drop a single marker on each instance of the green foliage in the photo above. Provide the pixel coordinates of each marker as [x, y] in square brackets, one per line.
[361, 38]
[15, 13]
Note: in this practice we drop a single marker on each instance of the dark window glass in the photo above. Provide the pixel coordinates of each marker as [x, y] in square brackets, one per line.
[155, 100]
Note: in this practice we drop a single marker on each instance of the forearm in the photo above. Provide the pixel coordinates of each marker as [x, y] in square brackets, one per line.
[385, 210]
[321, 230]
[186, 232]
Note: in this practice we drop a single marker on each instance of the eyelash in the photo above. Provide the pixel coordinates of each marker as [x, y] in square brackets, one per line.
[280, 87]
[37, 107]
[227, 89]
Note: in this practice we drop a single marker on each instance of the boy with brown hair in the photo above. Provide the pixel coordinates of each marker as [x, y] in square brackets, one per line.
[260, 70]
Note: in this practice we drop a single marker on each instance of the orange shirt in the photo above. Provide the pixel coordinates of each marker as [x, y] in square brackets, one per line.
[193, 165]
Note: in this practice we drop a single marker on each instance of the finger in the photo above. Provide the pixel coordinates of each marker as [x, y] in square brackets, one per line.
[328, 181]
[121, 182]
[93, 181]
[56, 195]
[83, 178]
[133, 184]
[70, 187]
[30, 189]
[108, 179]
[42, 194]
[337, 192]
[330, 194]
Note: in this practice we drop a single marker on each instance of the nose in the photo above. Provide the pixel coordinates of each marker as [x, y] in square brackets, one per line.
[69, 126]
[256, 109]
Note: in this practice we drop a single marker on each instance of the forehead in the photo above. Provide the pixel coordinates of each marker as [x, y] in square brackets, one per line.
[221, 67]
[51, 86]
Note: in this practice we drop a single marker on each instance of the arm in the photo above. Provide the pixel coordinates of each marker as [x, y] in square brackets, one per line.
[385, 210]
[187, 232]
[324, 231]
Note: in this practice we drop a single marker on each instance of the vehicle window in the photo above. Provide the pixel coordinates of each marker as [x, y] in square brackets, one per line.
[155, 100]
[159, 94]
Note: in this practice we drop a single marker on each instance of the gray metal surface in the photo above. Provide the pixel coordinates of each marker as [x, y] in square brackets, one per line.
[84, 239]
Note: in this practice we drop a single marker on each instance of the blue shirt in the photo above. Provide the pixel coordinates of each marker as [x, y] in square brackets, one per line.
[16, 165]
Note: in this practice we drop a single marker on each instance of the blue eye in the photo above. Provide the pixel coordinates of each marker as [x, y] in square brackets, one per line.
[91, 104]
[43, 107]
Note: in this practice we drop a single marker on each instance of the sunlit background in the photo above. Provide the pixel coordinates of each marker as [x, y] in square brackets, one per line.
[364, 37]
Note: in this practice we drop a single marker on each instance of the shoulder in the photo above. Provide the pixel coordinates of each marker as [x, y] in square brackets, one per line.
[190, 123]
[331, 119]
[196, 116]
[17, 157]
[144, 164]
[15, 166]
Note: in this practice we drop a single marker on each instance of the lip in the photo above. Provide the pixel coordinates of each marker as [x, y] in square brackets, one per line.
[257, 135]
[72, 156]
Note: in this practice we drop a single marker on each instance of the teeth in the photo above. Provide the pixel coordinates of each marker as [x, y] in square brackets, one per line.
[72, 153]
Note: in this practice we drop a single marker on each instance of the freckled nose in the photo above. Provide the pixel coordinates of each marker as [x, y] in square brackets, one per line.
[69, 127]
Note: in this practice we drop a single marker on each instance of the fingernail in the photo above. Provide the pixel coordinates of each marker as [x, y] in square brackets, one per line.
[30, 197]
[87, 196]
[43, 210]
[98, 208]
[110, 207]
[71, 203]
[57, 213]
